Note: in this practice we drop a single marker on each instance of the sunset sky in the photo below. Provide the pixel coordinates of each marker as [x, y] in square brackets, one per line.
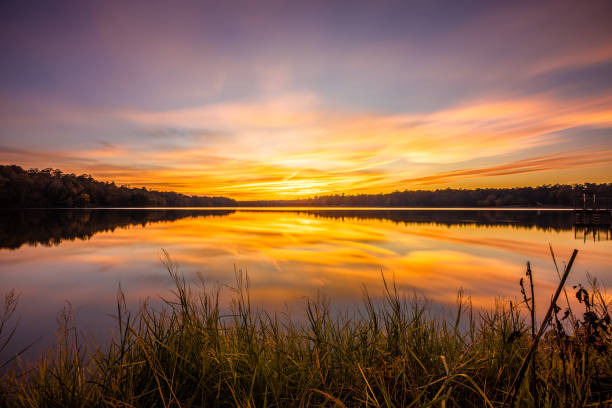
[255, 100]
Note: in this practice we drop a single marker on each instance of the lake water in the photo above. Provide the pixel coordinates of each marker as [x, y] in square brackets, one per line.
[80, 256]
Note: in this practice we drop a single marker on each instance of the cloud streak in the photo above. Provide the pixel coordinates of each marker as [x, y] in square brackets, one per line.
[295, 145]
[551, 162]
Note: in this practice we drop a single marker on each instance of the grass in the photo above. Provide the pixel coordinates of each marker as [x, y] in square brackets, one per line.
[389, 353]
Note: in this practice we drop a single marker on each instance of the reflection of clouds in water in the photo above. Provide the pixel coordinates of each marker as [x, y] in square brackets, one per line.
[290, 256]
[440, 274]
[338, 256]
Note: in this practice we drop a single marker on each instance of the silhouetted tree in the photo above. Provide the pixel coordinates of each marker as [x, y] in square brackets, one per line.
[543, 196]
[49, 188]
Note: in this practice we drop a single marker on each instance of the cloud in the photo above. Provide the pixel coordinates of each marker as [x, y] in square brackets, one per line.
[292, 145]
[557, 161]
[281, 111]
[301, 131]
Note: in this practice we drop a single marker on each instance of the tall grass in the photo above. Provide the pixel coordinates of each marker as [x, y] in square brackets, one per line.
[389, 353]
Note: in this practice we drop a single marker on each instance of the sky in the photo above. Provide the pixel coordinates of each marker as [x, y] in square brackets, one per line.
[279, 99]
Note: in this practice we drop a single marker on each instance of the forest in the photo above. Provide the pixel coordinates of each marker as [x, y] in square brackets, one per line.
[51, 188]
[558, 195]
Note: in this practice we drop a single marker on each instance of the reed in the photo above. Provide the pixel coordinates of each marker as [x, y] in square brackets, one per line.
[389, 353]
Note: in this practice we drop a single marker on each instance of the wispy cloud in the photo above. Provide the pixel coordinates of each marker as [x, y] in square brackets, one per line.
[294, 144]
[559, 161]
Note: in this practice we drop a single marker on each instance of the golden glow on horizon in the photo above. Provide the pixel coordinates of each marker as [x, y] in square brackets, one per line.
[292, 146]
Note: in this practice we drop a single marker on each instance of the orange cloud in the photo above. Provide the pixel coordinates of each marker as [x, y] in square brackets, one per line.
[293, 145]
[530, 165]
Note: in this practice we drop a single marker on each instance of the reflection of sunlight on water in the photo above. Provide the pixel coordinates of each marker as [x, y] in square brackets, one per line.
[290, 256]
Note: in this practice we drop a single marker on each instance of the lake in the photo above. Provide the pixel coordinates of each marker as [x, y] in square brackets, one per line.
[51, 257]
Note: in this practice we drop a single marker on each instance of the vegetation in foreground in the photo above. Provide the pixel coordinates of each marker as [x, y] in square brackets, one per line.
[388, 354]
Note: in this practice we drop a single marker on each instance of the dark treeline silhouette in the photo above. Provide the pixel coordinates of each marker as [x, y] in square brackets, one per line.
[51, 188]
[558, 195]
[51, 227]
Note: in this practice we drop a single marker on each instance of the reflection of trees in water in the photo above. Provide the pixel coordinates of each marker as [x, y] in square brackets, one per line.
[543, 220]
[51, 227]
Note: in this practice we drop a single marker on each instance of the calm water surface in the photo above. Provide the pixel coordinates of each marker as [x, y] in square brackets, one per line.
[80, 256]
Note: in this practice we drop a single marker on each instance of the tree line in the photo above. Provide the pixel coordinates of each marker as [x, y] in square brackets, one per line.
[50, 188]
[558, 195]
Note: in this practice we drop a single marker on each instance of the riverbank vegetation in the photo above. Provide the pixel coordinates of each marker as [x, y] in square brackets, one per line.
[50, 188]
[389, 353]
[553, 196]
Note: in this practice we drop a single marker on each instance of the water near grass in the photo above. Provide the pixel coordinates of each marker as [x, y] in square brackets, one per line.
[81, 256]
